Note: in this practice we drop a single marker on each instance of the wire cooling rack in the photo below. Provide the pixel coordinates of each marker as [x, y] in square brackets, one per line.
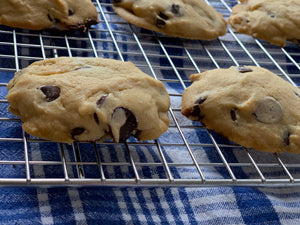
[186, 155]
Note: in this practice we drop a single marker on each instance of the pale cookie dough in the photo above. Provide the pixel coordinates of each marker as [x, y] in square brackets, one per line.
[48, 14]
[88, 99]
[249, 105]
[192, 19]
[275, 21]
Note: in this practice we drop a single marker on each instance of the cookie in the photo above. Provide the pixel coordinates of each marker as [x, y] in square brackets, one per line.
[192, 19]
[88, 99]
[275, 21]
[45, 14]
[248, 105]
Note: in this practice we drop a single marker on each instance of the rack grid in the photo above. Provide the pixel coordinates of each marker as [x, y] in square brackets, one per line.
[186, 155]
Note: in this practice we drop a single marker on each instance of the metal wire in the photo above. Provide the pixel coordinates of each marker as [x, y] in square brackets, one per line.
[204, 162]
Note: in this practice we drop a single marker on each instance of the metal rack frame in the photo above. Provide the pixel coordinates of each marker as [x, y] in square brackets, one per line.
[212, 161]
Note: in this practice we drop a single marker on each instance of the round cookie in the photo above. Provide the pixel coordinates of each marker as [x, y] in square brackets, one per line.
[192, 19]
[88, 99]
[272, 20]
[248, 105]
[45, 14]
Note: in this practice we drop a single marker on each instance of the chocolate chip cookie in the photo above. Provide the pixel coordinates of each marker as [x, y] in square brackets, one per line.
[193, 19]
[45, 14]
[272, 20]
[248, 105]
[88, 99]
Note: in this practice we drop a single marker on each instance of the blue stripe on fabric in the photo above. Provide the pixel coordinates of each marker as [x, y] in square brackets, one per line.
[253, 204]
[100, 205]
[60, 212]
[183, 196]
[130, 207]
[159, 210]
[19, 205]
[173, 208]
[142, 201]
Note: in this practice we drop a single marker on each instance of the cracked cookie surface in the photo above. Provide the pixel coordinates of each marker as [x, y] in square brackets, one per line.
[48, 15]
[192, 19]
[275, 21]
[88, 99]
[248, 105]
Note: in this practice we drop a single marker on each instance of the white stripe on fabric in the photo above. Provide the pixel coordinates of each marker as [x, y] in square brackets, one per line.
[166, 207]
[137, 206]
[75, 200]
[180, 206]
[42, 194]
[213, 214]
[77, 206]
[290, 221]
[122, 205]
[221, 198]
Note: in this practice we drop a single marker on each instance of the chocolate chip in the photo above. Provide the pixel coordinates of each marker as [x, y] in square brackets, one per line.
[50, 18]
[298, 95]
[70, 12]
[57, 20]
[96, 118]
[129, 125]
[196, 113]
[163, 16]
[175, 9]
[233, 114]
[101, 101]
[268, 110]
[200, 100]
[243, 69]
[286, 138]
[82, 67]
[160, 23]
[51, 92]
[77, 131]
[271, 14]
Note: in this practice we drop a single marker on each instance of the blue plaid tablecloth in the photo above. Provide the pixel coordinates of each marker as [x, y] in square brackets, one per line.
[129, 205]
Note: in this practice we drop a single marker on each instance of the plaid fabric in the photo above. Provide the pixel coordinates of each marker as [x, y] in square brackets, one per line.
[138, 205]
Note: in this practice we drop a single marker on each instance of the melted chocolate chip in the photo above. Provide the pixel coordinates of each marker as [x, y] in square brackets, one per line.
[298, 95]
[160, 23]
[200, 100]
[51, 92]
[233, 114]
[163, 16]
[101, 101]
[243, 69]
[271, 15]
[196, 113]
[82, 67]
[70, 12]
[286, 138]
[96, 118]
[57, 20]
[268, 110]
[77, 131]
[50, 18]
[129, 126]
[175, 9]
